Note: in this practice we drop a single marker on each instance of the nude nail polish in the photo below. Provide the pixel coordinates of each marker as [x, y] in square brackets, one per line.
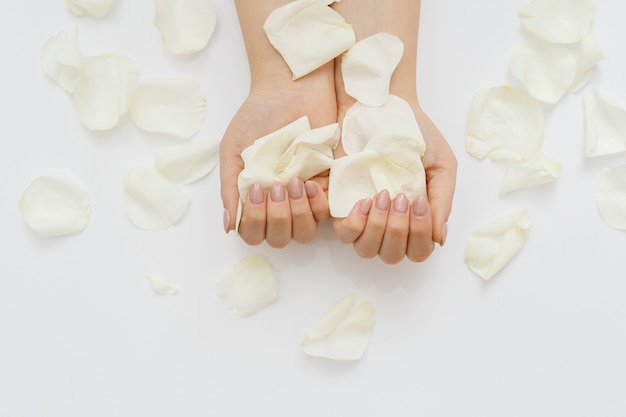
[295, 189]
[365, 206]
[256, 195]
[383, 200]
[444, 233]
[278, 192]
[420, 206]
[400, 203]
[226, 221]
[311, 189]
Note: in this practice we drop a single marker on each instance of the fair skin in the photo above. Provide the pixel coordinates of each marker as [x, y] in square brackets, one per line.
[390, 229]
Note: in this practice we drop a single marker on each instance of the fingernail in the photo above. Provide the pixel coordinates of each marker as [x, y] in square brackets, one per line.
[444, 233]
[400, 204]
[383, 200]
[257, 195]
[277, 192]
[226, 221]
[295, 189]
[420, 206]
[365, 206]
[311, 189]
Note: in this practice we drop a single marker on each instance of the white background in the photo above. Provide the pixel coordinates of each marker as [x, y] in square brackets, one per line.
[83, 334]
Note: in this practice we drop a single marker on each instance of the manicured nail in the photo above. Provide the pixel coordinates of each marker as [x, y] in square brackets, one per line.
[295, 189]
[400, 203]
[420, 206]
[365, 206]
[277, 192]
[311, 189]
[257, 195]
[383, 200]
[444, 233]
[226, 221]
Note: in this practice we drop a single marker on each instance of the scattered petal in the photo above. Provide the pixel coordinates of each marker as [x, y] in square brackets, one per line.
[103, 89]
[162, 286]
[611, 197]
[293, 151]
[308, 34]
[55, 205]
[249, 287]
[94, 8]
[490, 247]
[504, 123]
[539, 169]
[558, 21]
[343, 332]
[189, 162]
[153, 202]
[363, 122]
[186, 26]
[605, 125]
[175, 106]
[368, 65]
[550, 71]
[61, 57]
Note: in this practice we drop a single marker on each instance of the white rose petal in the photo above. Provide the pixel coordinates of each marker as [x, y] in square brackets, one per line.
[611, 197]
[539, 169]
[249, 287]
[94, 8]
[162, 286]
[175, 106]
[363, 122]
[558, 21]
[186, 26]
[504, 123]
[550, 71]
[152, 202]
[342, 333]
[61, 57]
[368, 65]
[189, 162]
[55, 205]
[605, 125]
[103, 88]
[492, 246]
[308, 34]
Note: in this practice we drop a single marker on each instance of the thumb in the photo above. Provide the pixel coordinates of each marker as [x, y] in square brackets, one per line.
[231, 165]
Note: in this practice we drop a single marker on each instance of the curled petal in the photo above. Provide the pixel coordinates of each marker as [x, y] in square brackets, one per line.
[152, 202]
[186, 26]
[249, 287]
[492, 246]
[308, 34]
[55, 205]
[363, 122]
[504, 123]
[611, 197]
[550, 71]
[539, 169]
[61, 57]
[103, 88]
[558, 21]
[162, 286]
[343, 332]
[368, 65]
[605, 125]
[175, 106]
[189, 162]
[94, 8]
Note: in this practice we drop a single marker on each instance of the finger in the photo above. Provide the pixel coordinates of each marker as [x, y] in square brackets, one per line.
[303, 224]
[369, 243]
[231, 165]
[349, 229]
[441, 182]
[317, 201]
[252, 226]
[394, 246]
[420, 242]
[278, 231]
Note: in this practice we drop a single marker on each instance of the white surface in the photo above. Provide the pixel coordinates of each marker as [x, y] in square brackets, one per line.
[83, 334]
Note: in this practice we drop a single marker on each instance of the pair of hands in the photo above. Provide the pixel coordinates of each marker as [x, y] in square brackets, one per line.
[390, 229]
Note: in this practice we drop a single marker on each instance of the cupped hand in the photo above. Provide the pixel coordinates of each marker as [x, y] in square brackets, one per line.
[281, 213]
